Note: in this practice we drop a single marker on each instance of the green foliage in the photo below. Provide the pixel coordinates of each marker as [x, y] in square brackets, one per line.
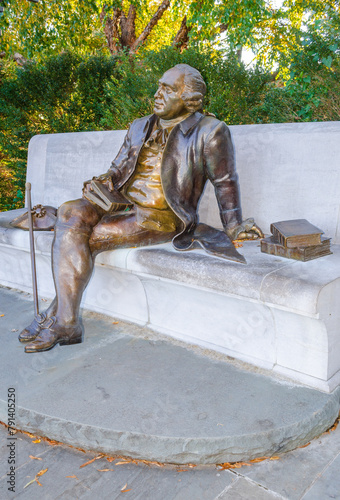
[69, 93]
[48, 27]
[235, 94]
[39, 30]
[314, 69]
[62, 94]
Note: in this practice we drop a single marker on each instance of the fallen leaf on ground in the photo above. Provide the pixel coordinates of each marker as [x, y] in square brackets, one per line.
[336, 423]
[150, 462]
[274, 458]
[35, 480]
[92, 460]
[104, 470]
[37, 441]
[73, 477]
[31, 482]
[115, 322]
[305, 445]
[40, 473]
[2, 315]
[236, 465]
[35, 458]
[123, 463]
[124, 490]
[52, 443]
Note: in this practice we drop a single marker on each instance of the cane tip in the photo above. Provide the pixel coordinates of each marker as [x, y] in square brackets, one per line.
[28, 186]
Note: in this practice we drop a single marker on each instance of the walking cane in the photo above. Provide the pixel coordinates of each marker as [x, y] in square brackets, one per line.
[33, 266]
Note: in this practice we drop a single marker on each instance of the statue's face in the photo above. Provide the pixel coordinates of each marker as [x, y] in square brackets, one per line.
[168, 98]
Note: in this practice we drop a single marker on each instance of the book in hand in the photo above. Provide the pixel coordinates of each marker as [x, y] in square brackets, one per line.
[110, 201]
[271, 246]
[296, 233]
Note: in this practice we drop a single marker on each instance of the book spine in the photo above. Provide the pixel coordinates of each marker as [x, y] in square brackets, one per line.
[277, 235]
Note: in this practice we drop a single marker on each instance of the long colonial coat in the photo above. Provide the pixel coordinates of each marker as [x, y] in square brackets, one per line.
[198, 148]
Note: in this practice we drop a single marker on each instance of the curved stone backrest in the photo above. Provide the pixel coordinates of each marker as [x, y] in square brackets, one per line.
[286, 171]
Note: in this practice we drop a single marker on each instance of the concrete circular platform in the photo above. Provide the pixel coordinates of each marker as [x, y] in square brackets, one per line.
[122, 392]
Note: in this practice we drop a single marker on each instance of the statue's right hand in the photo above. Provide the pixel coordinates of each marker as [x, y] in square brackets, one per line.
[86, 187]
[105, 179]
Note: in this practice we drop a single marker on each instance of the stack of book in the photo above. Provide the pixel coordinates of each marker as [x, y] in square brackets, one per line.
[296, 239]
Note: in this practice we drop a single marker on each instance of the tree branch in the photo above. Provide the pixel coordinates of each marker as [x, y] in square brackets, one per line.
[182, 36]
[223, 27]
[151, 24]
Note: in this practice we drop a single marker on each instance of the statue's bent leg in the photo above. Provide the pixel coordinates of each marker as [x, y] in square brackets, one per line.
[72, 260]
[75, 246]
[122, 231]
[72, 265]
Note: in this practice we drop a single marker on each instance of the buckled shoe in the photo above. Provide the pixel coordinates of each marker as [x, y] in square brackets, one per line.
[53, 334]
[30, 332]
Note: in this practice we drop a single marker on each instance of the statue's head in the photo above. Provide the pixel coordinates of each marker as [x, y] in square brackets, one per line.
[181, 91]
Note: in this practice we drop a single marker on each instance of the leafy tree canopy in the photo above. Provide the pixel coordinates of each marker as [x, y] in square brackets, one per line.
[273, 29]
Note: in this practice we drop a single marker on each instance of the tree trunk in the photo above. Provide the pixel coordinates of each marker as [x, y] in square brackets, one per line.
[239, 54]
[128, 27]
[181, 39]
[111, 29]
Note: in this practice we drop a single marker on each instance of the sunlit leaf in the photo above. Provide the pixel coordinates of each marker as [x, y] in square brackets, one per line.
[40, 473]
[91, 461]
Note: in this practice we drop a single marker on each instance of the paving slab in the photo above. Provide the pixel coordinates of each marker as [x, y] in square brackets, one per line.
[326, 486]
[125, 391]
[243, 489]
[65, 478]
[303, 467]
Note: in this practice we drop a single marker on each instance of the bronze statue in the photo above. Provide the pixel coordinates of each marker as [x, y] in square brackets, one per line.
[161, 169]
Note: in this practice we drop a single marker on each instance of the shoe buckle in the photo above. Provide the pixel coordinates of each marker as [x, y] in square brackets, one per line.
[50, 322]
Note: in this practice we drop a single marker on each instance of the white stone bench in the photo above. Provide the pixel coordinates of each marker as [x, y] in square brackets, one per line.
[275, 313]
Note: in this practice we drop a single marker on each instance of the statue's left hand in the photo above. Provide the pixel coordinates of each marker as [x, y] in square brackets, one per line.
[247, 230]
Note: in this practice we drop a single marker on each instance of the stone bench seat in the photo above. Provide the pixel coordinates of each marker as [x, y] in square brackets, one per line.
[275, 313]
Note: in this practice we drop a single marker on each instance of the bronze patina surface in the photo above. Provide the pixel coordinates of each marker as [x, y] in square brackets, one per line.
[162, 167]
[296, 239]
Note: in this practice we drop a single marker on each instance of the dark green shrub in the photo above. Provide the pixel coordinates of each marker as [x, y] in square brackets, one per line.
[65, 93]
[69, 93]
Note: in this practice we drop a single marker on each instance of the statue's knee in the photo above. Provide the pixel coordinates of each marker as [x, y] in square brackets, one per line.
[68, 210]
[77, 211]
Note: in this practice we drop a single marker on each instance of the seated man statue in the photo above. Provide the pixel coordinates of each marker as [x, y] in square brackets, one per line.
[162, 168]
